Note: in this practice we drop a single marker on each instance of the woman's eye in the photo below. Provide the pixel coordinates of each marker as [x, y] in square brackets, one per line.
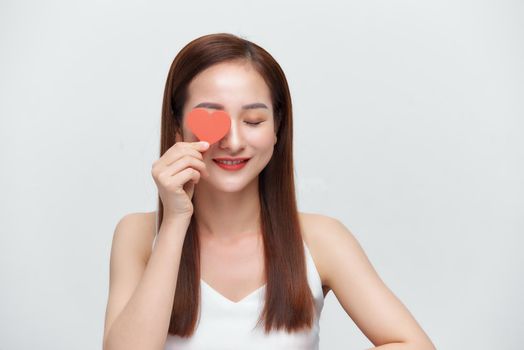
[253, 123]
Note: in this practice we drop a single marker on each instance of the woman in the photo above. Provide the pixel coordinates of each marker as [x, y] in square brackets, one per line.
[229, 262]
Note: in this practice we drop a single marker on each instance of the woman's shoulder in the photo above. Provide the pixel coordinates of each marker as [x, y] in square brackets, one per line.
[321, 233]
[138, 231]
[318, 227]
[324, 235]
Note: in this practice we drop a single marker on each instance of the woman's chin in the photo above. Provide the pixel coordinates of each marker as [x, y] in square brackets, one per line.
[226, 187]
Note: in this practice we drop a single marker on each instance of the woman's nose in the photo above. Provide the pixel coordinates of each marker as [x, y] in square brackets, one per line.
[233, 140]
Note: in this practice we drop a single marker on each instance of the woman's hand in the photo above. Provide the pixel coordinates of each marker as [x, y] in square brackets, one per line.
[175, 175]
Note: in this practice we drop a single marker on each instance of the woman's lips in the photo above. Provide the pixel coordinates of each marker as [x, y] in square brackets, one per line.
[231, 166]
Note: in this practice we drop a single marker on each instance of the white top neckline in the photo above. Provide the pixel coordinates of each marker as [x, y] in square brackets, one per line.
[224, 324]
[221, 296]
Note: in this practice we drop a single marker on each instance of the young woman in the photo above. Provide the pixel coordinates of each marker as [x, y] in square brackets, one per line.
[227, 261]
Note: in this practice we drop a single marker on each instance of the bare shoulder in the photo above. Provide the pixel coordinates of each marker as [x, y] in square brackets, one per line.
[131, 245]
[136, 231]
[346, 269]
[324, 235]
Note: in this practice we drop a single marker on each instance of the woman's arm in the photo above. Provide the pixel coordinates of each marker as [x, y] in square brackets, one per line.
[141, 294]
[377, 312]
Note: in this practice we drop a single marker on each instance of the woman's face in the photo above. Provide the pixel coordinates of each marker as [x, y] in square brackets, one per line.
[238, 89]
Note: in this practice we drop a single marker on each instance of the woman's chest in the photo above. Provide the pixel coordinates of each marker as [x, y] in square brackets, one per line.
[233, 270]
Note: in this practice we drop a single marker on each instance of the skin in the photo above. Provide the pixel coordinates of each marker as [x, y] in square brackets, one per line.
[232, 194]
[234, 245]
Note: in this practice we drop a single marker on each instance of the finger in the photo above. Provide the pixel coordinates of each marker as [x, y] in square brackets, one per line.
[184, 178]
[198, 145]
[178, 150]
[182, 163]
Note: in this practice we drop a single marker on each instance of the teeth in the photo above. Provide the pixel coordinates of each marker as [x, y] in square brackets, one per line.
[229, 162]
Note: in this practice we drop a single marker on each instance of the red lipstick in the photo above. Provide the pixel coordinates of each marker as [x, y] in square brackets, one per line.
[231, 163]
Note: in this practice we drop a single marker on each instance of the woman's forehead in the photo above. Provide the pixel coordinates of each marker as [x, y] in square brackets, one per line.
[228, 76]
[229, 85]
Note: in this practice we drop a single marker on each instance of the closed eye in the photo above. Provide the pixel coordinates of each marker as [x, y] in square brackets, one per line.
[253, 123]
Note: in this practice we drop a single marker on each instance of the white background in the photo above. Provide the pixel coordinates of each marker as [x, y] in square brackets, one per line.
[408, 123]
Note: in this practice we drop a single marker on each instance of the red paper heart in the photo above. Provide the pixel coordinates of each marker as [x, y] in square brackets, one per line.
[209, 127]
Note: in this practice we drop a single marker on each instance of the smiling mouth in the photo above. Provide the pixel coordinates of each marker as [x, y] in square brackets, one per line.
[230, 162]
[231, 165]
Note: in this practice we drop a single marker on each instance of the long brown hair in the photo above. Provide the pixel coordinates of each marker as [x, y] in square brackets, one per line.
[289, 303]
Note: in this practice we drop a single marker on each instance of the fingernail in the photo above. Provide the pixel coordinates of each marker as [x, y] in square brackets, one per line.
[204, 143]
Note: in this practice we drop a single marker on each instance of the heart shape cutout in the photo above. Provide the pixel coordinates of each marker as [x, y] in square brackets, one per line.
[209, 127]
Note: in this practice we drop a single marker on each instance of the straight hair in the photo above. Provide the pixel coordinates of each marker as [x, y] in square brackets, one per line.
[289, 303]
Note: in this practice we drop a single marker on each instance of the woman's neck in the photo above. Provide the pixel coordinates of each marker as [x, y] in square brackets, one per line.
[227, 216]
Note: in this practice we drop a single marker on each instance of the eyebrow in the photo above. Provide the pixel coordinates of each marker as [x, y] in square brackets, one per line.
[219, 106]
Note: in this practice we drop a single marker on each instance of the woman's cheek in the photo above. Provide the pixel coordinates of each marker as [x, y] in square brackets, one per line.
[261, 138]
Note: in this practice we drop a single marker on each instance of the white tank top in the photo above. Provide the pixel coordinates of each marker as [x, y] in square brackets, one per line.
[224, 324]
